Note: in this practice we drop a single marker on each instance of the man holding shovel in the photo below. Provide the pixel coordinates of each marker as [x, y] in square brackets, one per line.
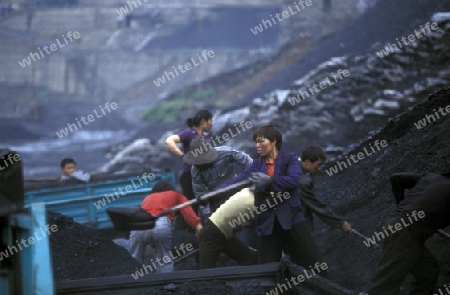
[312, 158]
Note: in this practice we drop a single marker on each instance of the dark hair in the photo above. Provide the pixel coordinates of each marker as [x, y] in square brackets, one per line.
[270, 132]
[162, 186]
[313, 153]
[66, 161]
[195, 121]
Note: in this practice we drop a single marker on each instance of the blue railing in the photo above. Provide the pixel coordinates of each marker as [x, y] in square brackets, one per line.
[87, 203]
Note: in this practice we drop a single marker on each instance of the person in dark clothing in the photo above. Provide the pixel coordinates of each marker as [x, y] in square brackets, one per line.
[282, 226]
[428, 197]
[311, 160]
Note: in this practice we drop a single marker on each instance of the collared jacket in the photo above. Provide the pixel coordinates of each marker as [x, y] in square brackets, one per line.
[285, 179]
[223, 169]
[311, 204]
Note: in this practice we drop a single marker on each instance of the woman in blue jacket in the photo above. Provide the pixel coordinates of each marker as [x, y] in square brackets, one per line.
[280, 224]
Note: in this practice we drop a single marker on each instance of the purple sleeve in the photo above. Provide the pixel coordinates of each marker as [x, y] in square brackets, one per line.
[185, 136]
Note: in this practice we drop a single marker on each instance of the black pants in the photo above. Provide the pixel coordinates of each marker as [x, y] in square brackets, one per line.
[212, 242]
[297, 240]
[186, 186]
[403, 255]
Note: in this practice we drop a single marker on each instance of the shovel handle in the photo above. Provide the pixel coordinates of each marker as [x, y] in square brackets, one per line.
[443, 233]
[204, 197]
[364, 237]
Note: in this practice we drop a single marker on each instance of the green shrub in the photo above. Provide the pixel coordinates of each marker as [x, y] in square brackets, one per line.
[164, 112]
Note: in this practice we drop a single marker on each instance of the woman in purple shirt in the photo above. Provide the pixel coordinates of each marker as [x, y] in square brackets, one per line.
[199, 125]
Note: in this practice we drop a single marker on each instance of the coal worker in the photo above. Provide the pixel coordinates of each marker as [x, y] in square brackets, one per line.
[69, 172]
[421, 211]
[311, 160]
[211, 167]
[199, 126]
[163, 196]
[218, 233]
[283, 225]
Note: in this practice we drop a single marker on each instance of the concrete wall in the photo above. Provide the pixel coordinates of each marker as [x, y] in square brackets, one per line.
[105, 74]
[91, 68]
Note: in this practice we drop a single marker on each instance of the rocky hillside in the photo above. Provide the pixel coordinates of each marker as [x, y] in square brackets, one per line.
[362, 193]
[338, 102]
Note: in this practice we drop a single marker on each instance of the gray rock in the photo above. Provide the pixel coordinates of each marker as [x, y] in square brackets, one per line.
[392, 94]
[431, 81]
[402, 59]
[444, 74]
[170, 287]
[441, 17]
[372, 111]
[386, 104]
[418, 87]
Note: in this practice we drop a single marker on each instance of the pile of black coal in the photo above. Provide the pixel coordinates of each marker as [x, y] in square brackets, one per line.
[79, 252]
[362, 193]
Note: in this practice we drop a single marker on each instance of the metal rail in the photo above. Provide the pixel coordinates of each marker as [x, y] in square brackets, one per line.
[128, 283]
[317, 283]
[271, 277]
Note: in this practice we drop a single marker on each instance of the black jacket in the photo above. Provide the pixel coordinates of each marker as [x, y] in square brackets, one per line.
[311, 204]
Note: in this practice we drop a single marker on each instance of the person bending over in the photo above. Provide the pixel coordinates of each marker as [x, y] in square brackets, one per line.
[424, 208]
[311, 160]
[163, 196]
[213, 167]
[218, 233]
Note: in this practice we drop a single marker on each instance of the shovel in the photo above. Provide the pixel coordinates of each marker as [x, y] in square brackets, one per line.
[136, 218]
[203, 198]
[363, 237]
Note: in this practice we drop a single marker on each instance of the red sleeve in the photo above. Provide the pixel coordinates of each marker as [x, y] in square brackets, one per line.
[188, 213]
